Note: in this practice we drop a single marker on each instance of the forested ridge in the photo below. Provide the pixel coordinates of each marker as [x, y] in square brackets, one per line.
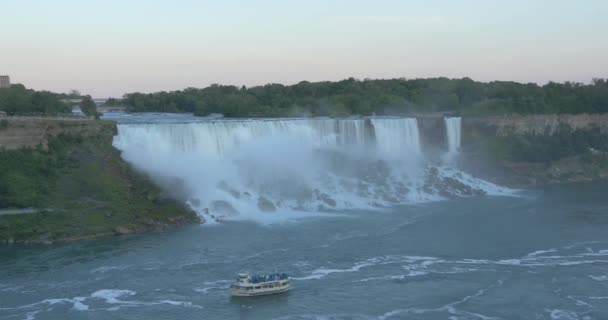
[341, 98]
[380, 97]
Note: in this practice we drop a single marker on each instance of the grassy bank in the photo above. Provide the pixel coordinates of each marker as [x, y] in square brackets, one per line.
[80, 188]
[567, 155]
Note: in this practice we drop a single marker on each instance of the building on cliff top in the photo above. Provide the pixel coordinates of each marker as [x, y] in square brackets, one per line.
[5, 82]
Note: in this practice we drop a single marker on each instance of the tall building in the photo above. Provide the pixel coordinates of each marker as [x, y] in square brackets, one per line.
[5, 82]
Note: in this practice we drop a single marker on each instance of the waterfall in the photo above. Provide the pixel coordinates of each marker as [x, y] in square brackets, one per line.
[242, 169]
[453, 129]
[395, 136]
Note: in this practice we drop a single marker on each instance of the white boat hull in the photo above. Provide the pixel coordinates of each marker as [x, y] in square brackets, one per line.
[247, 286]
[254, 293]
[252, 289]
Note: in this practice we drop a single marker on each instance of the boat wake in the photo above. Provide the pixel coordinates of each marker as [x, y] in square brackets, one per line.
[416, 266]
[104, 299]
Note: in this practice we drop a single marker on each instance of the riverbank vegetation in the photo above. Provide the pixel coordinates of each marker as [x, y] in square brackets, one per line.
[79, 187]
[381, 97]
[566, 142]
[566, 155]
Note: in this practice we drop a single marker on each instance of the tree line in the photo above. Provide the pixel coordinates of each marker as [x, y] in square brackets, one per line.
[18, 100]
[380, 97]
[566, 142]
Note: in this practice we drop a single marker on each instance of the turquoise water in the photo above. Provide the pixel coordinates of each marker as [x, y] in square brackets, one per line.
[540, 255]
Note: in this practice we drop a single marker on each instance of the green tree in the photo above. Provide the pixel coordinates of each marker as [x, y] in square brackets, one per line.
[18, 100]
[88, 107]
[381, 97]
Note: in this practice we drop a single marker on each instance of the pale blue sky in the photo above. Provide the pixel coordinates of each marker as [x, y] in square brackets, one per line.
[106, 48]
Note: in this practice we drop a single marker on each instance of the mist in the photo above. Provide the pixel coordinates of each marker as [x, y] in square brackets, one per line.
[250, 169]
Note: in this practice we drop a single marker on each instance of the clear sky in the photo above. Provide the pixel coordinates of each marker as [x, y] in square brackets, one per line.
[106, 48]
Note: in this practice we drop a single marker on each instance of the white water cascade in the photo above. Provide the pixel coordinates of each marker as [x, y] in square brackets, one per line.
[247, 169]
[453, 128]
[394, 136]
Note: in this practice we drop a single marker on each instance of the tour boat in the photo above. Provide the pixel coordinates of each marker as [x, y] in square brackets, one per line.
[249, 286]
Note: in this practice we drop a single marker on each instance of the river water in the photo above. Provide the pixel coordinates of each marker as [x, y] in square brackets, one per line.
[537, 255]
[366, 224]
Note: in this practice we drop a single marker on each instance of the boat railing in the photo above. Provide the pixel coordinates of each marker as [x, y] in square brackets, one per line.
[270, 277]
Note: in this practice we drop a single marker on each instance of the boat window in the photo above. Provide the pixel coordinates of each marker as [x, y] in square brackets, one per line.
[257, 287]
[249, 288]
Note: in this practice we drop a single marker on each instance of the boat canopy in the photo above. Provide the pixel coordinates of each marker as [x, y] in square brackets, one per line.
[264, 278]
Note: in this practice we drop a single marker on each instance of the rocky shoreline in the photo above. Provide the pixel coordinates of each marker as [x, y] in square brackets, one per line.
[172, 223]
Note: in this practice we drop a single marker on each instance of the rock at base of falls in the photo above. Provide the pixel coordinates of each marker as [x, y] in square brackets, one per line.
[449, 187]
[223, 207]
[195, 202]
[325, 198]
[266, 205]
[224, 186]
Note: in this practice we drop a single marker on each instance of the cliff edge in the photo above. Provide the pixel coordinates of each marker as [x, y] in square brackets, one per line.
[63, 180]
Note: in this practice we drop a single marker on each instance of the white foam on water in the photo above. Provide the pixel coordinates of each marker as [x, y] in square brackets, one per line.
[214, 285]
[394, 277]
[540, 252]
[599, 278]
[31, 315]
[380, 260]
[180, 303]
[559, 314]
[76, 302]
[104, 269]
[579, 302]
[488, 187]
[111, 295]
[322, 272]
[78, 305]
[452, 309]
[416, 266]
[346, 316]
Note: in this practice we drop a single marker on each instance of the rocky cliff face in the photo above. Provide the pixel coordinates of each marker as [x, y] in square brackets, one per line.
[549, 124]
[21, 132]
[537, 149]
